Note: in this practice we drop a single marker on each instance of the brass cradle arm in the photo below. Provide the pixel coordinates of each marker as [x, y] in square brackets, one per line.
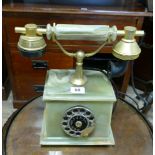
[78, 78]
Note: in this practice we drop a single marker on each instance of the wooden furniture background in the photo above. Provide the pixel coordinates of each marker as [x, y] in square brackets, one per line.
[133, 136]
[146, 57]
[23, 76]
[144, 77]
[5, 79]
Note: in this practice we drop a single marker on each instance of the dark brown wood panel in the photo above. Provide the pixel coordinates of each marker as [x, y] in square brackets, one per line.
[25, 76]
[133, 9]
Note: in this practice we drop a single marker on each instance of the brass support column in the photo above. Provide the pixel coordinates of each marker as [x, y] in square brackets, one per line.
[78, 78]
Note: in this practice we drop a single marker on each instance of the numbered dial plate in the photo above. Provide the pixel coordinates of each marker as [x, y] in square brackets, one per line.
[78, 121]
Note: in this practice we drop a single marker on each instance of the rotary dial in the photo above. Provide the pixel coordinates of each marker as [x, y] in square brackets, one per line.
[78, 121]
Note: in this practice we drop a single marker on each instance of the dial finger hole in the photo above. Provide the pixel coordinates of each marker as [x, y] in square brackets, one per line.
[65, 118]
[82, 110]
[88, 113]
[78, 133]
[64, 123]
[75, 110]
[67, 129]
[91, 118]
[69, 113]
[71, 132]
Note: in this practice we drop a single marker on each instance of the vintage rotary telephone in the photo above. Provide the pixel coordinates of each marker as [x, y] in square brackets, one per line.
[78, 102]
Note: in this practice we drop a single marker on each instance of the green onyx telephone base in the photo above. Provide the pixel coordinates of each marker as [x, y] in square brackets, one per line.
[77, 115]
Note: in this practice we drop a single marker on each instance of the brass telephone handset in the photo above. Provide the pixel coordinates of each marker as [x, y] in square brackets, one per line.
[32, 44]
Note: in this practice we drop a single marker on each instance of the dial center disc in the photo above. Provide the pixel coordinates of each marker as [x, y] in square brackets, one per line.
[78, 124]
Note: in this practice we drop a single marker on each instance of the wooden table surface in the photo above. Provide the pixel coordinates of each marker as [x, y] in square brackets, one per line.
[131, 132]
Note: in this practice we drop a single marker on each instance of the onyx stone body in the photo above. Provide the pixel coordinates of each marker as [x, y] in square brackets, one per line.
[98, 97]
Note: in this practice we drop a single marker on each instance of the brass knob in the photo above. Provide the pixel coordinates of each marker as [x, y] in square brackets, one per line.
[31, 29]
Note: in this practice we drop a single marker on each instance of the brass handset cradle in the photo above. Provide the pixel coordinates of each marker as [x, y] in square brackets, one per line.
[33, 44]
[78, 78]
